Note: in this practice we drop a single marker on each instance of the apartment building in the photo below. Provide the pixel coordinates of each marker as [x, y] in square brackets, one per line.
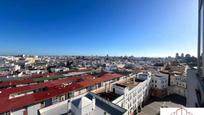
[159, 85]
[178, 85]
[129, 94]
[177, 79]
[30, 99]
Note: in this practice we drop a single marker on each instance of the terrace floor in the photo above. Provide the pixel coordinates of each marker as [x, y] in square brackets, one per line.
[110, 96]
[152, 107]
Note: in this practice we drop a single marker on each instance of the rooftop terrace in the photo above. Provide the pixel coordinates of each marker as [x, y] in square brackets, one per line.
[153, 105]
[130, 83]
[110, 96]
[106, 105]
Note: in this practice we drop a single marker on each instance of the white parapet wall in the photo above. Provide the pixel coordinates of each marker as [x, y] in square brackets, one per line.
[33, 110]
[19, 112]
[56, 109]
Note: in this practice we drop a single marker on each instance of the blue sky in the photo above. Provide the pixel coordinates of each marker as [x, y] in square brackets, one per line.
[98, 27]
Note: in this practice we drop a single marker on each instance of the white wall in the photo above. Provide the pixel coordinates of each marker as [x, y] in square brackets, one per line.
[118, 90]
[76, 93]
[159, 82]
[55, 109]
[87, 110]
[178, 85]
[179, 81]
[99, 111]
[134, 97]
[32, 110]
[19, 112]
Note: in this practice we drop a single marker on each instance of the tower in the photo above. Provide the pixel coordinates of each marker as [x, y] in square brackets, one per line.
[177, 55]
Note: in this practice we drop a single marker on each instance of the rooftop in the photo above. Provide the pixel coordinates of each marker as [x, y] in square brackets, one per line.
[53, 88]
[82, 102]
[110, 96]
[153, 106]
[130, 83]
[37, 78]
[105, 77]
[111, 108]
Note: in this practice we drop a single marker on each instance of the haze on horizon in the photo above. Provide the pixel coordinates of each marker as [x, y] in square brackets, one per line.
[153, 28]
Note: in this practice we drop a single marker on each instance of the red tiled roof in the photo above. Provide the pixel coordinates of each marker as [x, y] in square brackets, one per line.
[15, 82]
[36, 86]
[103, 78]
[54, 88]
[18, 82]
[87, 76]
[23, 101]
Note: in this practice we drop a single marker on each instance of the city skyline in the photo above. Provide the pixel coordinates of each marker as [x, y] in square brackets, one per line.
[117, 28]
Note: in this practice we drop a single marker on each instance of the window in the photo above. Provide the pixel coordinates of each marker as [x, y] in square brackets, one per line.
[155, 86]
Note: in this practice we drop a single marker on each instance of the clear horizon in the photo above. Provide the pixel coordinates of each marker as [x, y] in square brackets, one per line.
[90, 55]
[141, 28]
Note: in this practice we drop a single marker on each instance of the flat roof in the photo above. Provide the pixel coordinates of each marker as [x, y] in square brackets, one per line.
[153, 105]
[130, 83]
[111, 108]
[110, 96]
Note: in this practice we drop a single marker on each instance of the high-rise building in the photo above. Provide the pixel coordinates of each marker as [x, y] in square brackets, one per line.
[195, 76]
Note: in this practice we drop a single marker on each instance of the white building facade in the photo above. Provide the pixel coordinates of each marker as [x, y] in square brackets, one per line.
[178, 85]
[132, 98]
[159, 81]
